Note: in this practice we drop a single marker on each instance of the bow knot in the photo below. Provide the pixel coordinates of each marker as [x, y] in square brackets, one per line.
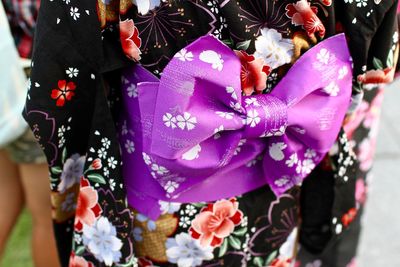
[266, 116]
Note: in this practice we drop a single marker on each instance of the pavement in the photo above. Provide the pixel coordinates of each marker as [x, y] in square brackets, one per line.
[380, 239]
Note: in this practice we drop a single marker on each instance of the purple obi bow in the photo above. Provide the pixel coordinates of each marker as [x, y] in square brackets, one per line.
[191, 136]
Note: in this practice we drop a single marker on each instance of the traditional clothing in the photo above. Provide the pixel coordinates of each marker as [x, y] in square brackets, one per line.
[74, 104]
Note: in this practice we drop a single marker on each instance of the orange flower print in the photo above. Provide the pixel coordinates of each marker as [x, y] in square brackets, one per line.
[280, 262]
[215, 222]
[64, 92]
[87, 209]
[130, 40]
[349, 217]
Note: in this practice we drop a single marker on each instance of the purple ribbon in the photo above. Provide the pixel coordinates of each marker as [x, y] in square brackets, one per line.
[191, 136]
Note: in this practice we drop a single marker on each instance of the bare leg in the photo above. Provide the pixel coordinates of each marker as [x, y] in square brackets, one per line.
[35, 180]
[11, 197]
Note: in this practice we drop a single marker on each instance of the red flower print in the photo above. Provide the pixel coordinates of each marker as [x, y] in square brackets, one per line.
[303, 14]
[96, 164]
[65, 91]
[348, 217]
[87, 209]
[130, 40]
[377, 76]
[254, 74]
[280, 262]
[76, 261]
[215, 222]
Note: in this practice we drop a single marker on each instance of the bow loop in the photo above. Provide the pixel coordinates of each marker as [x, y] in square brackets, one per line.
[191, 133]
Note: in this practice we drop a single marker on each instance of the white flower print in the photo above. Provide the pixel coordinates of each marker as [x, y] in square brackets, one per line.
[310, 153]
[282, 181]
[332, 89]
[308, 166]
[275, 151]
[239, 146]
[361, 3]
[231, 90]
[144, 6]
[184, 55]
[102, 241]
[299, 167]
[129, 146]
[106, 171]
[225, 115]
[112, 184]
[292, 160]
[236, 106]
[251, 101]
[160, 170]
[124, 129]
[106, 142]
[323, 56]
[185, 251]
[146, 158]
[190, 210]
[184, 222]
[348, 1]
[74, 13]
[212, 57]
[132, 90]
[72, 72]
[61, 131]
[112, 162]
[72, 172]
[343, 71]
[273, 49]
[192, 153]
[171, 186]
[252, 118]
[169, 120]
[169, 207]
[287, 248]
[186, 121]
[395, 37]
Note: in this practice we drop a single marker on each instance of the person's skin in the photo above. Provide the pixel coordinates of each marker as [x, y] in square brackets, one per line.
[27, 184]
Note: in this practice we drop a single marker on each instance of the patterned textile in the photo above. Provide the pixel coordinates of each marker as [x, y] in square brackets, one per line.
[22, 15]
[81, 48]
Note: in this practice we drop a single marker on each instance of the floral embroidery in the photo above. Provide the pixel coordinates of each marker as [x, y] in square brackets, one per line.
[64, 92]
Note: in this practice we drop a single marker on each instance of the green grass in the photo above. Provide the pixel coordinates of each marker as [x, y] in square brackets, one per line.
[18, 252]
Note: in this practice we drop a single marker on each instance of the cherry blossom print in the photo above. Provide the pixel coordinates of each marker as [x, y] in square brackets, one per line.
[213, 58]
[216, 222]
[273, 49]
[102, 241]
[72, 172]
[88, 208]
[64, 92]
[186, 251]
[302, 13]
[130, 39]
[254, 73]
